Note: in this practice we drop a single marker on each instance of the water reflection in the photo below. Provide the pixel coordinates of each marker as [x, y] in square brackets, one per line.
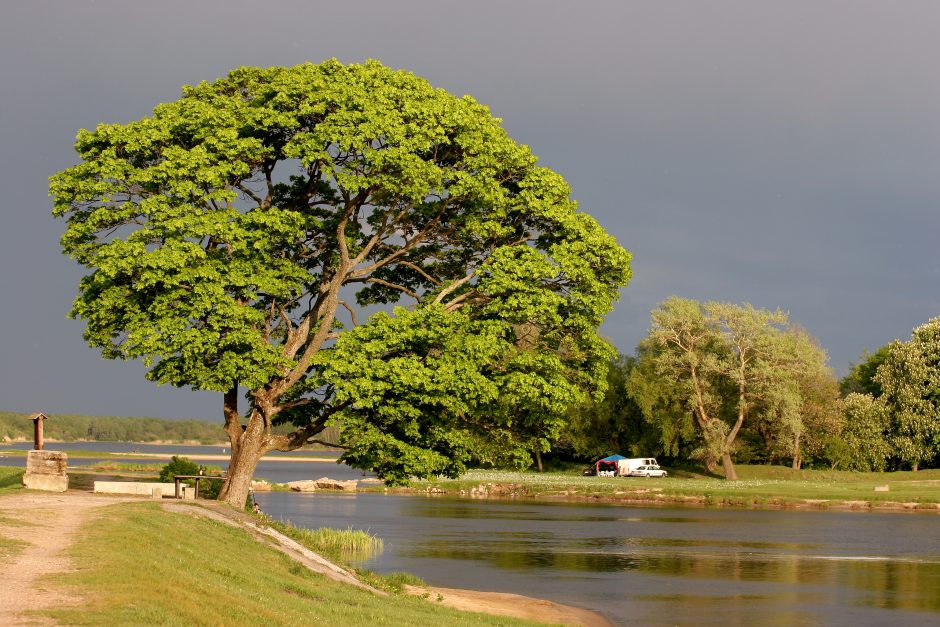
[447, 508]
[656, 566]
[887, 582]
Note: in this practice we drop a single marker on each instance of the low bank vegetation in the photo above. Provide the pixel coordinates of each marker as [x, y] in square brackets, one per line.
[342, 546]
[758, 486]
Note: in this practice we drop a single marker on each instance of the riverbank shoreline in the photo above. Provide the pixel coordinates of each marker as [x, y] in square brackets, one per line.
[761, 487]
[692, 502]
[73, 510]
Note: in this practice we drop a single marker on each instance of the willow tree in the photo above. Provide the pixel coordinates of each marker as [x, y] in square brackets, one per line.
[234, 237]
[711, 369]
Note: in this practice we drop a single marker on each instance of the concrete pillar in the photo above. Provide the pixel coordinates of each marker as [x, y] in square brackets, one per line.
[46, 470]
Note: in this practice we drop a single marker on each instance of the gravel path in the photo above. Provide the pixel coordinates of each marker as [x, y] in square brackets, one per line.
[48, 523]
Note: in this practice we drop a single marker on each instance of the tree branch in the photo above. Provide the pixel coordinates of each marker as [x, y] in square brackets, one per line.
[394, 286]
[352, 205]
[352, 312]
[420, 271]
[409, 245]
[444, 293]
[378, 235]
[300, 436]
[247, 192]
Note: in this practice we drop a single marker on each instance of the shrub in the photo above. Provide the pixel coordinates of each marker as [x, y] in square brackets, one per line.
[179, 466]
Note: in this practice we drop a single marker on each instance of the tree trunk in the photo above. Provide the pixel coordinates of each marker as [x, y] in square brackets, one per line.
[538, 460]
[726, 463]
[247, 449]
[915, 466]
[797, 457]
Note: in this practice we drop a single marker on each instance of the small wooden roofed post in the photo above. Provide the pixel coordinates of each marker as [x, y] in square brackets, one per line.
[37, 419]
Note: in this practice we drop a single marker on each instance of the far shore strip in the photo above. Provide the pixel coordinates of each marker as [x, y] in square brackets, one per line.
[200, 456]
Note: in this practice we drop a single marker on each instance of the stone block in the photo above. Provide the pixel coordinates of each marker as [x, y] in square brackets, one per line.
[882, 488]
[47, 463]
[325, 483]
[303, 486]
[46, 470]
[134, 488]
[48, 483]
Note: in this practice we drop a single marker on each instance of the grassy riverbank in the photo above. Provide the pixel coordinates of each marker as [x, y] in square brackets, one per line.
[759, 486]
[194, 571]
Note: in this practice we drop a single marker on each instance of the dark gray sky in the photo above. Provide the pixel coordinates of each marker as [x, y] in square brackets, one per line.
[785, 154]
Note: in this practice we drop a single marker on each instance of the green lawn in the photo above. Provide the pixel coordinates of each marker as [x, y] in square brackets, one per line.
[11, 478]
[189, 571]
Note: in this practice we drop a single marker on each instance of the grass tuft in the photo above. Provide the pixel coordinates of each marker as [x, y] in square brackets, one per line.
[343, 546]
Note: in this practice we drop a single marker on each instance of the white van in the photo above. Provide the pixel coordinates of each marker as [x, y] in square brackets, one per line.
[625, 466]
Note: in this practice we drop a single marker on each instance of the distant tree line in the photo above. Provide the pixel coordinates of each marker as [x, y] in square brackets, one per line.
[74, 427]
[715, 384]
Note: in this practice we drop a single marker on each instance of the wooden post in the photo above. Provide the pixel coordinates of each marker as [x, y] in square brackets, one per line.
[37, 430]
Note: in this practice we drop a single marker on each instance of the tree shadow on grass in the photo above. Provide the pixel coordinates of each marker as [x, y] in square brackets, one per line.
[12, 479]
[695, 472]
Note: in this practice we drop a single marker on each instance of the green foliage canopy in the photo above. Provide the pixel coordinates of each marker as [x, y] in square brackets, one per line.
[910, 378]
[861, 376]
[234, 237]
[864, 443]
[714, 369]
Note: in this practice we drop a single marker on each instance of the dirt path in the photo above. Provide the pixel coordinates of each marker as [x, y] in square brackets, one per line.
[47, 523]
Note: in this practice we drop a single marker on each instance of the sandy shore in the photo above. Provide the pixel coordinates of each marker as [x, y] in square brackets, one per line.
[515, 605]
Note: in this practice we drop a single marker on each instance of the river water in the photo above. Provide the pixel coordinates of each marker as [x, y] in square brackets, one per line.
[654, 566]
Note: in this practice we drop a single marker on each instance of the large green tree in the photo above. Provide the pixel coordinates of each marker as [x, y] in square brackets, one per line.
[234, 237]
[711, 368]
[910, 379]
[864, 443]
